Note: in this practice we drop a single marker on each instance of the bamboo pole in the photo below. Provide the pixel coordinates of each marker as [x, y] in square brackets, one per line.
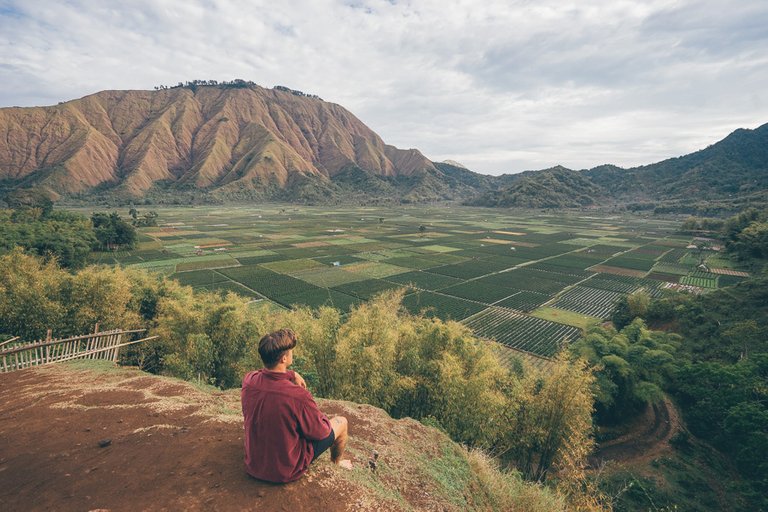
[8, 341]
[58, 341]
[116, 351]
[81, 355]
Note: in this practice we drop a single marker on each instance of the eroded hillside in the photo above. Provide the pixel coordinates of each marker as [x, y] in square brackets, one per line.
[210, 138]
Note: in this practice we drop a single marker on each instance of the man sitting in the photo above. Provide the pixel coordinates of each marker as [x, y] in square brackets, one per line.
[284, 429]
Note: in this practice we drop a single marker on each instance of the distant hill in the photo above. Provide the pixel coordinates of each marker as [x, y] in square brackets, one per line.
[232, 142]
[237, 141]
[557, 187]
[735, 166]
[733, 171]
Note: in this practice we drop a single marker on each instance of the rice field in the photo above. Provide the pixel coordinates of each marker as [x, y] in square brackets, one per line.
[528, 280]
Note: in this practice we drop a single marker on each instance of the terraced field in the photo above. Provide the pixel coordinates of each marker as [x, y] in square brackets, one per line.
[526, 280]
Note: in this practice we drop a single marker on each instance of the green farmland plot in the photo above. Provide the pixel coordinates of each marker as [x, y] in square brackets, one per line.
[344, 259]
[423, 280]
[701, 282]
[588, 301]
[531, 279]
[366, 289]
[629, 262]
[488, 267]
[479, 291]
[472, 268]
[672, 268]
[534, 335]
[199, 277]
[604, 282]
[441, 306]
[267, 282]
[328, 277]
[524, 301]
[374, 269]
[292, 266]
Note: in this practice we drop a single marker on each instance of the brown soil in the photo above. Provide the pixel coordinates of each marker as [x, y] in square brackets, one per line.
[619, 271]
[171, 446]
[642, 440]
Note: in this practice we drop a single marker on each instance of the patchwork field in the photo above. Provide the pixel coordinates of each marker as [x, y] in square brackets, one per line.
[528, 280]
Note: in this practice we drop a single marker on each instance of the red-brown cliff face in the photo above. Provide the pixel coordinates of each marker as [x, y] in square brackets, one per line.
[211, 138]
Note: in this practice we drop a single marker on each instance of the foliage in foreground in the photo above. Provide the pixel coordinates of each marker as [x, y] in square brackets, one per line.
[539, 422]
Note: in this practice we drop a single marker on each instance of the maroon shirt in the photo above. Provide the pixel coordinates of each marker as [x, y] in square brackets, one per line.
[280, 418]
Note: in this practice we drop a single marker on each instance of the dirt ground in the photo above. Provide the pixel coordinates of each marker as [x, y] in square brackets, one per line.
[644, 439]
[92, 437]
[73, 438]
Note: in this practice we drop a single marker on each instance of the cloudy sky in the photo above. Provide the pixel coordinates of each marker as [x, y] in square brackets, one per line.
[500, 86]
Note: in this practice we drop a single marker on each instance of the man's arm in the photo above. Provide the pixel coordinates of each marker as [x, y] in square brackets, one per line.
[298, 380]
[314, 425]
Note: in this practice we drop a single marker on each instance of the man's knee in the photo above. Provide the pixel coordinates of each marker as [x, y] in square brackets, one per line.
[339, 425]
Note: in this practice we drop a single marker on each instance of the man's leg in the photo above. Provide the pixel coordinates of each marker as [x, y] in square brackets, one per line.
[339, 425]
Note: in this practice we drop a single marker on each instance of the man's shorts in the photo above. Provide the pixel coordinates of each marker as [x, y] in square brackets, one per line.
[321, 446]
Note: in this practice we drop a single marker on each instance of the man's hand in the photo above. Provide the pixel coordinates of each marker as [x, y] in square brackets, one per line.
[299, 380]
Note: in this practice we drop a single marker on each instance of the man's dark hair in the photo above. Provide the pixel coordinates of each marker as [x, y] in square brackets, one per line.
[273, 345]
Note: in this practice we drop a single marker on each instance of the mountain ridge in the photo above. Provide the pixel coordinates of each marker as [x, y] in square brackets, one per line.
[209, 138]
[735, 168]
[237, 141]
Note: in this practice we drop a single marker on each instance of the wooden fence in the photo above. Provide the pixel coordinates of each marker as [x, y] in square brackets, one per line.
[104, 345]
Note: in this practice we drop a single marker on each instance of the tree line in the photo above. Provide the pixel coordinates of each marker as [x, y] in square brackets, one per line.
[67, 237]
[237, 83]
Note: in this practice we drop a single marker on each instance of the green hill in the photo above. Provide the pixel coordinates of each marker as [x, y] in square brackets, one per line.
[552, 188]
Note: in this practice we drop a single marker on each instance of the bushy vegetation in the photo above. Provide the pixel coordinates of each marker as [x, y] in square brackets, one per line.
[633, 366]
[112, 232]
[551, 188]
[65, 236]
[719, 372]
[746, 234]
[538, 422]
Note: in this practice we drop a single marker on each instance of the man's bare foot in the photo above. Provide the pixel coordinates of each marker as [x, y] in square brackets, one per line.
[346, 464]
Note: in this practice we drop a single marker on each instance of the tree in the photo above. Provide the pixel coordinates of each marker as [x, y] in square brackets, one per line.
[630, 307]
[29, 295]
[112, 232]
[66, 237]
[22, 199]
[550, 421]
[631, 367]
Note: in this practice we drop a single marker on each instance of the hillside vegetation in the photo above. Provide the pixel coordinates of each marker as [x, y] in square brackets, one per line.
[552, 188]
[716, 367]
[537, 423]
[728, 175]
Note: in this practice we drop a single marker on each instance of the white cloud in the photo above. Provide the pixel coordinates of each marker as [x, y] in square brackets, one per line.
[500, 86]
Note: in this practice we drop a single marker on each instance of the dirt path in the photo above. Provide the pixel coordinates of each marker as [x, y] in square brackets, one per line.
[645, 439]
